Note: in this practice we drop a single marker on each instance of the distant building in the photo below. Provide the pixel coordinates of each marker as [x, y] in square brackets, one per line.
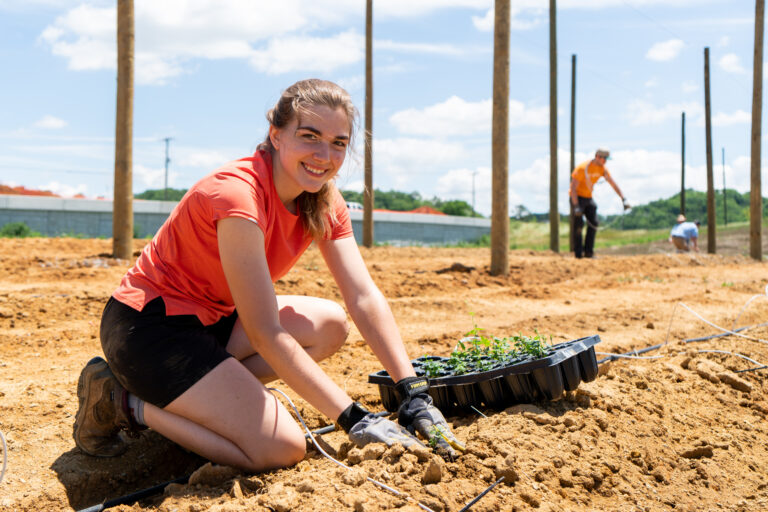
[354, 206]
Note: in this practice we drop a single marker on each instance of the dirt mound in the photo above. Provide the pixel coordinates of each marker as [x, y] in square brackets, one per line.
[683, 431]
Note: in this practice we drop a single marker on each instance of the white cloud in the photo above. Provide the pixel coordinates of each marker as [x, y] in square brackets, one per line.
[689, 87]
[456, 116]
[651, 83]
[641, 112]
[50, 123]
[724, 41]
[665, 51]
[64, 190]
[486, 22]
[283, 55]
[411, 9]
[202, 159]
[738, 117]
[731, 63]
[435, 49]
[460, 183]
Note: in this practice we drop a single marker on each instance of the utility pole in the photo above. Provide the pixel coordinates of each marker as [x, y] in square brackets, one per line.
[167, 161]
[554, 214]
[122, 209]
[571, 217]
[368, 189]
[725, 198]
[682, 168]
[500, 141]
[755, 194]
[474, 173]
[711, 219]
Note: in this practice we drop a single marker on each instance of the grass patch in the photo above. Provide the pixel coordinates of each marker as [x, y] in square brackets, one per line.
[535, 236]
[18, 230]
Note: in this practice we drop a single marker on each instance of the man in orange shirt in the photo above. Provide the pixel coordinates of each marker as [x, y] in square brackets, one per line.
[583, 179]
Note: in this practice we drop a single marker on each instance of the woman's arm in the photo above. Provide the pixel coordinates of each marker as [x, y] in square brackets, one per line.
[367, 305]
[243, 258]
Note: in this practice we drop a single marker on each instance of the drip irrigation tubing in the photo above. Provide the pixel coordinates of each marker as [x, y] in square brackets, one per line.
[129, 499]
[614, 357]
[477, 498]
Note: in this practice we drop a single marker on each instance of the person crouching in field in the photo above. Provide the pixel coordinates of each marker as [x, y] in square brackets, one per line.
[685, 235]
[195, 329]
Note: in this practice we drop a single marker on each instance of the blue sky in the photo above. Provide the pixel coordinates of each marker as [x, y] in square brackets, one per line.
[208, 70]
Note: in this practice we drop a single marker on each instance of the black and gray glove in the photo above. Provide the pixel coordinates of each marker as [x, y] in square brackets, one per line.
[418, 414]
[365, 427]
[577, 210]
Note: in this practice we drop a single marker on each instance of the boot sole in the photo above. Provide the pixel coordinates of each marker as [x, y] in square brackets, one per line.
[92, 368]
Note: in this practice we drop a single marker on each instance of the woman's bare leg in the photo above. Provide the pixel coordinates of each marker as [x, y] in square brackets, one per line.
[319, 325]
[230, 418]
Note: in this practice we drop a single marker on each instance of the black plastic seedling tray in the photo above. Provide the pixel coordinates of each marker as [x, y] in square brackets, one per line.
[522, 380]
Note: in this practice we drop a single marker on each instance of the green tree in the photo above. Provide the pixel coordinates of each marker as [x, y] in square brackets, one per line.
[159, 194]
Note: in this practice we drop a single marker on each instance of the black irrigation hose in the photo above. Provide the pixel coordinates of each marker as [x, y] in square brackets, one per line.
[477, 498]
[157, 489]
[136, 496]
[614, 357]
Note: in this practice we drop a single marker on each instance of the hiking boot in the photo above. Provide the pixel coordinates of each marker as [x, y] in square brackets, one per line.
[102, 411]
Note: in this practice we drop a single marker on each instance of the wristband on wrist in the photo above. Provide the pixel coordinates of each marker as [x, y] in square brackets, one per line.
[351, 415]
[411, 386]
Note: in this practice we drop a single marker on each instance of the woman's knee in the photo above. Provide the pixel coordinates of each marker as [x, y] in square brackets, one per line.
[283, 451]
[336, 327]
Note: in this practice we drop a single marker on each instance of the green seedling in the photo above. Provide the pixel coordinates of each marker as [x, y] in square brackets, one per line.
[432, 367]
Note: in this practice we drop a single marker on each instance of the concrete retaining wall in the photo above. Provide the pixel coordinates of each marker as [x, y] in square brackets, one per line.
[54, 216]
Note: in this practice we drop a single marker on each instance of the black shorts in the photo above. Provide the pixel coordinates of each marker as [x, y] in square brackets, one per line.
[158, 357]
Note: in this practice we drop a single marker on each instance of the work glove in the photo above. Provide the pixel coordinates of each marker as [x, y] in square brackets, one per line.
[365, 427]
[577, 211]
[418, 414]
[625, 203]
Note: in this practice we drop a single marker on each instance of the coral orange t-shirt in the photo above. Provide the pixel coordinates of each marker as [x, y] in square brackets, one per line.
[182, 265]
[596, 171]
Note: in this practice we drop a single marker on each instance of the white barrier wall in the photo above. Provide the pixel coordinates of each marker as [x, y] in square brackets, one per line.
[53, 216]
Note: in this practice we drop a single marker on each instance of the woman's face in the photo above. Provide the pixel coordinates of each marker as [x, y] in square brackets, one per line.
[309, 150]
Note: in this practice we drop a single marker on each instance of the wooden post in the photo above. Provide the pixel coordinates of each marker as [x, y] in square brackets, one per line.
[572, 219]
[725, 197]
[122, 209]
[368, 190]
[499, 143]
[755, 194]
[554, 214]
[682, 168]
[711, 219]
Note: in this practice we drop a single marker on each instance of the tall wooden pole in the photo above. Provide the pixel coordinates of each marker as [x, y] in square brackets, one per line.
[725, 197]
[368, 190]
[554, 214]
[122, 210]
[499, 142]
[572, 218]
[711, 219]
[755, 193]
[682, 167]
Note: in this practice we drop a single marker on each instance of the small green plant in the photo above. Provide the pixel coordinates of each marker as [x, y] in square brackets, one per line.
[432, 367]
[535, 346]
[727, 284]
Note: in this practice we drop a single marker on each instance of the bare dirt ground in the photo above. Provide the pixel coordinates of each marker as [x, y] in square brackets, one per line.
[681, 432]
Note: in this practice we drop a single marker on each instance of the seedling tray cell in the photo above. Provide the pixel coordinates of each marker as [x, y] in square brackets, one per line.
[524, 379]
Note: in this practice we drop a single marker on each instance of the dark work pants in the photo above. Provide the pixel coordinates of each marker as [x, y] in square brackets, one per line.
[589, 210]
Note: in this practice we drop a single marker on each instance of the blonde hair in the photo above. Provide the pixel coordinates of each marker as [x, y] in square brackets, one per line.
[296, 99]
